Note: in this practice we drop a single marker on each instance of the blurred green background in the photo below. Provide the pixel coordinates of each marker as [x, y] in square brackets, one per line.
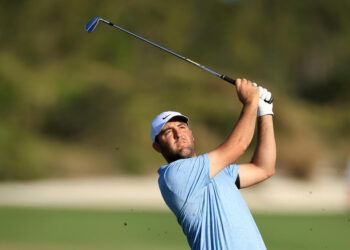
[80, 104]
[74, 104]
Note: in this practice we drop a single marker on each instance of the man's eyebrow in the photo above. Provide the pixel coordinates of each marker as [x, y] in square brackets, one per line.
[165, 129]
[177, 125]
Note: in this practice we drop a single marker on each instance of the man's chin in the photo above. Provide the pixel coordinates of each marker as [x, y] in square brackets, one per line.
[187, 152]
[183, 154]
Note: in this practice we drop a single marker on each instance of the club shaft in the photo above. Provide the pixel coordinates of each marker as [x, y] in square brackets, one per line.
[92, 24]
[226, 78]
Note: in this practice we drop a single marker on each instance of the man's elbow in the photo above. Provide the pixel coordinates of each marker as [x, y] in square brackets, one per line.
[267, 170]
[270, 171]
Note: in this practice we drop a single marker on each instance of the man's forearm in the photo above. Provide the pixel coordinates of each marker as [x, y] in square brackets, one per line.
[265, 153]
[243, 131]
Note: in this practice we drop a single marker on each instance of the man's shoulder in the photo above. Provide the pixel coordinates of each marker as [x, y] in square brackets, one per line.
[172, 167]
[184, 171]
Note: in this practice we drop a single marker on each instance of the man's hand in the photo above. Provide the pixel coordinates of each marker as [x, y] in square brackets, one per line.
[264, 108]
[247, 92]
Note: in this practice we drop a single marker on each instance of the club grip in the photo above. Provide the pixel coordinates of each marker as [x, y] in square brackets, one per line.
[230, 80]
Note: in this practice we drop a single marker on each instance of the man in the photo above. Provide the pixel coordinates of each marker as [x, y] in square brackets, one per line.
[202, 191]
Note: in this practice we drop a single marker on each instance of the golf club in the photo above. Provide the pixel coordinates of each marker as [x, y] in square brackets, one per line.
[90, 26]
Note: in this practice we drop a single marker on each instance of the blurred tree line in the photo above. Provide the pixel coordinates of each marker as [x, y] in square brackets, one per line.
[73, 103]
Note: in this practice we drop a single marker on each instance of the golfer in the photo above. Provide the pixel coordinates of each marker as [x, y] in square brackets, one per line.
[202, 190]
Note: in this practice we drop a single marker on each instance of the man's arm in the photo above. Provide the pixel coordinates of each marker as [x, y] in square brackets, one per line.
[262, 165]
[240, 137]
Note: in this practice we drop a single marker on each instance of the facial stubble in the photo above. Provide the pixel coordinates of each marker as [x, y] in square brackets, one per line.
[173, 155]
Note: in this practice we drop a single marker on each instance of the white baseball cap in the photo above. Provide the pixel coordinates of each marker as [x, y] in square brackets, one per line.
[160, 120]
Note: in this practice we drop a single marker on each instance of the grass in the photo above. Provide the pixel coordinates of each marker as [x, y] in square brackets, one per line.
[305, 232]
[53, 229]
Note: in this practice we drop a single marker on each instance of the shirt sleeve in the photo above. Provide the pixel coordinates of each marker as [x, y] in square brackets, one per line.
[232, 170]
[187, 176]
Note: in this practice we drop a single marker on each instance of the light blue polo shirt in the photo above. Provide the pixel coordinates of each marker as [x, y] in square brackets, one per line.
[211, 212]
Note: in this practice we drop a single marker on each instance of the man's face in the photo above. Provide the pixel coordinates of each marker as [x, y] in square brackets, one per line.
[175, 141]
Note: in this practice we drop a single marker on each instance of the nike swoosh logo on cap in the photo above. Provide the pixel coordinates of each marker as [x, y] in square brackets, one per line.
[165, 117]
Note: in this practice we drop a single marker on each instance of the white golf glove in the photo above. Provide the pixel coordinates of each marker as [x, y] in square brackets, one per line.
[264, 108]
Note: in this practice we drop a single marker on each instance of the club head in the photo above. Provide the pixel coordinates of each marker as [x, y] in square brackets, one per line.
[90, 26]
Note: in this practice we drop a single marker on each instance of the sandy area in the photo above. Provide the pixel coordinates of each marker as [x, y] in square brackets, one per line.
[278, 194]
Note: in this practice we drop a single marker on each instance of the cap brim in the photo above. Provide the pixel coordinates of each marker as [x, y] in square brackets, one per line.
[178, 117]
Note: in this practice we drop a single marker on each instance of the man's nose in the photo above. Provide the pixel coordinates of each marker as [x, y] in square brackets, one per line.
[176, 133]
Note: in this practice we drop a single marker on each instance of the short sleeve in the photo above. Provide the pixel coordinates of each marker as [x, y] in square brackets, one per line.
[232, 170]
[187, 176]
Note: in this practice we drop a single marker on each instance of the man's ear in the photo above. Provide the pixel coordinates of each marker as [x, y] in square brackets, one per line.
[156, 146]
